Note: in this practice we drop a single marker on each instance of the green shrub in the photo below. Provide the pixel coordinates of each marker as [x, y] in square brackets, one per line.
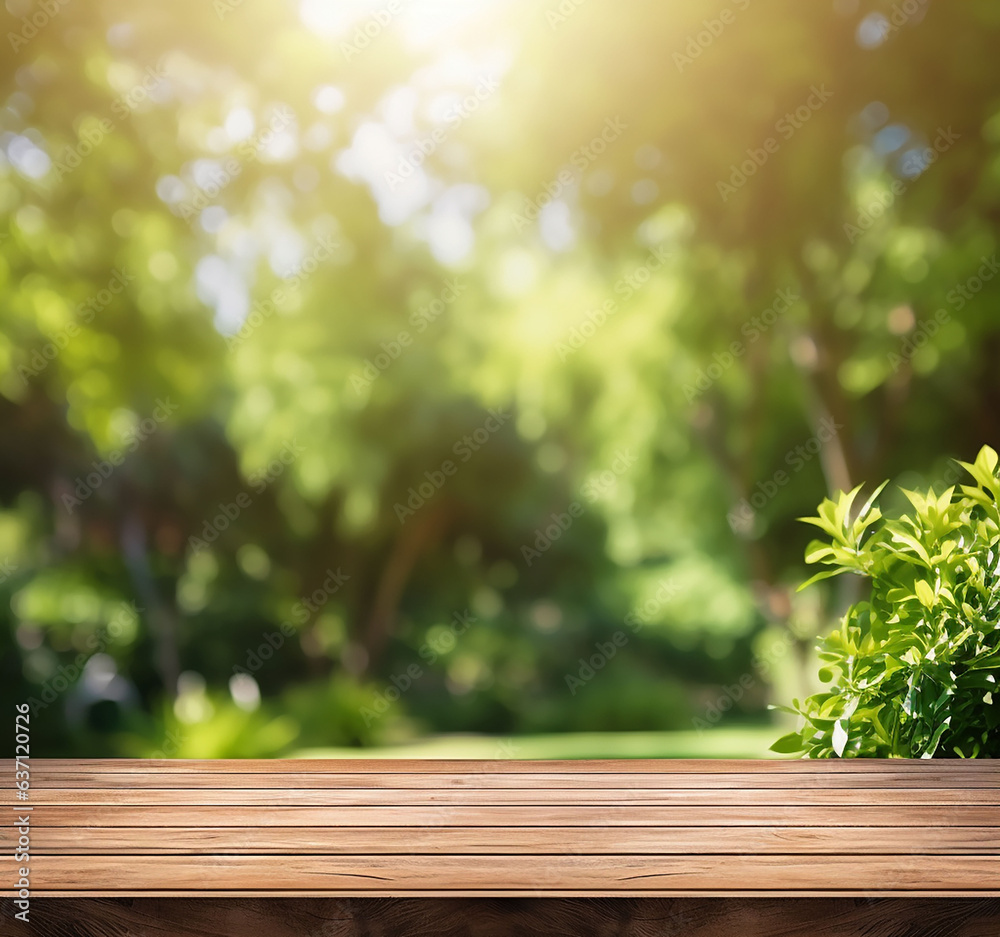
[913, 670]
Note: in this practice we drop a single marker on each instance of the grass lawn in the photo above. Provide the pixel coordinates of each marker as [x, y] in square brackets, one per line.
[747, 742]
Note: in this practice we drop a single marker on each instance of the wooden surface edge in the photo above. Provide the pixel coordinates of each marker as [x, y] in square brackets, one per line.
[540, 894]
[509, 917]
[361, 764]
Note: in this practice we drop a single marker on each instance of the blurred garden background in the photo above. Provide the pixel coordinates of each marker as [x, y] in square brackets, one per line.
[447, 377]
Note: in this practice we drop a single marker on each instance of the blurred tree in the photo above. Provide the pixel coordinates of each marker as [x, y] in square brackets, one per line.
[433, 354]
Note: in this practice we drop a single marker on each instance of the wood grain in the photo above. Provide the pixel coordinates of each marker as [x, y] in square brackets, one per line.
[43, 779]
[512, 840]
[505, 815]
[602, 797]
[368, 827]
[525, 874]
[506, 917]
[503, 766]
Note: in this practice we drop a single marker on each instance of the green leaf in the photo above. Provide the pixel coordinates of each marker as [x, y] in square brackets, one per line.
[826, 574]
[817, 550]
[912, 543]
[925, 593]
[788, 744]
[987, 460]
[936, 739]
[866, 507]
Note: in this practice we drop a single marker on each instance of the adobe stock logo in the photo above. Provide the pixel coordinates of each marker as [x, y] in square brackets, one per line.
[569, 174]
[365, 34]
[698, 42]
[785, 127]
[958, 297]
[913, 164]
[85, 312]
[434, 480]
[741, 518]
[592, 490]
[47, 11]
[752, 331]
[304, 608]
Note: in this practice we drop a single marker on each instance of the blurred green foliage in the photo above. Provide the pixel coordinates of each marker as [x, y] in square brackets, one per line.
[365, 370]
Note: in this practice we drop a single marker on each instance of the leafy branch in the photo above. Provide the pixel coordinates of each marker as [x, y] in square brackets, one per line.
[913, 669]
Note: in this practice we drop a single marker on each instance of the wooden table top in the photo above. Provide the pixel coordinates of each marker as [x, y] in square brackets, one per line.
[655, 828]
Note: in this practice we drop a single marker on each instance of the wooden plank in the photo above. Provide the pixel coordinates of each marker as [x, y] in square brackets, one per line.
[517, 873]
[929, 840]
[480, 766]
[41, 779]
[251, 895]
[359, 797]
[604, 815]
[473, 917]
[653, 827]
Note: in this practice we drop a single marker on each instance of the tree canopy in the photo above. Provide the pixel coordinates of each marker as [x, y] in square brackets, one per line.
[370, 370]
